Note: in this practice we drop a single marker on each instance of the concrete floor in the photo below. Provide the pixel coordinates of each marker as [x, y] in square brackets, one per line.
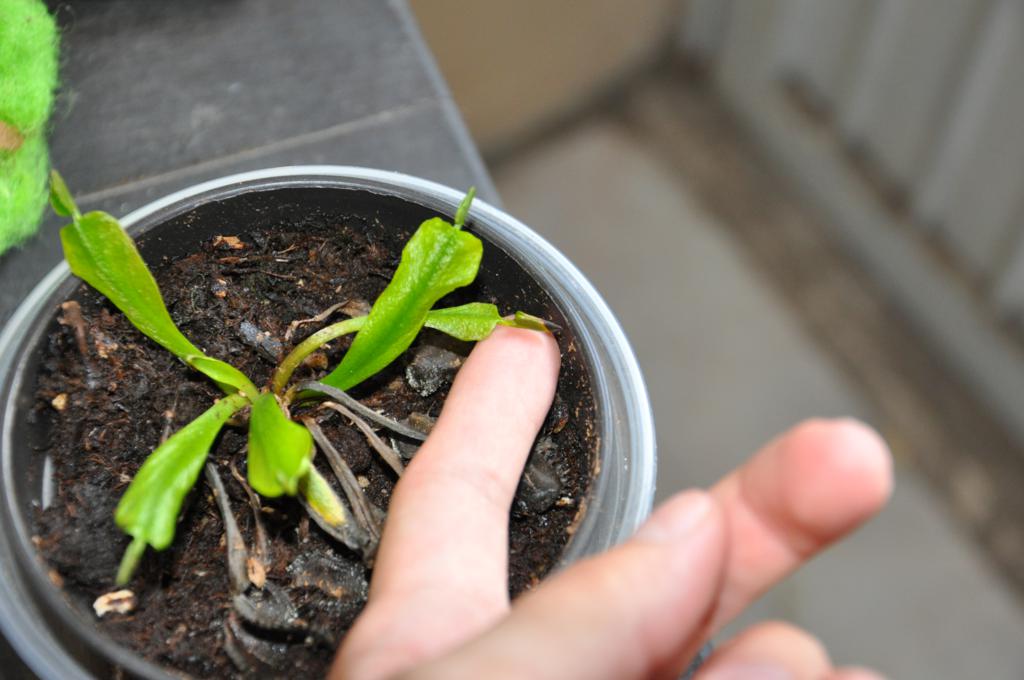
[728, 366]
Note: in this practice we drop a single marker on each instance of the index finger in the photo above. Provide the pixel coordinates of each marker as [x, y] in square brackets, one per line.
[442, 565]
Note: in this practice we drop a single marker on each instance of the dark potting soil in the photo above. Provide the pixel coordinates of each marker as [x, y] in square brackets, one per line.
[108, 395]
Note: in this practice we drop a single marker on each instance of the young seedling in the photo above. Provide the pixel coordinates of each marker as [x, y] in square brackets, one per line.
[439, 258]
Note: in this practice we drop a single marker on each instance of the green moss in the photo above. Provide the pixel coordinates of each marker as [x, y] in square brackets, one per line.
[22, 191]
[28, 64]
[28, 78]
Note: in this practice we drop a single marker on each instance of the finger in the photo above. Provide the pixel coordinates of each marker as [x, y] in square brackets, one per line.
[441, 572]
[799, 494]
[625, 614]
[449, 513]
[617, 616]
[769, 651]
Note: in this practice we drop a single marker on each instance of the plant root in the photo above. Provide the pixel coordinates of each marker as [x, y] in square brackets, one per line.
[265, 606]
[249, 653]
[322, 316]
[259, 562]
[238, 554]
[366, 412]
[387, 454]
[366, 514]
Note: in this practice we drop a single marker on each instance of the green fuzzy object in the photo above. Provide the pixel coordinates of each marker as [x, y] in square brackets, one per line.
[28, 78]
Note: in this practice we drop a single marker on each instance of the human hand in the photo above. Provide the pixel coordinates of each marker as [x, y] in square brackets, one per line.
[439, 607]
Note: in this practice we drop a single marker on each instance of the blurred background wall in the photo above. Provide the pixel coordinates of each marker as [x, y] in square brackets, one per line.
[519, 67]
[911, 106]
[798, 208]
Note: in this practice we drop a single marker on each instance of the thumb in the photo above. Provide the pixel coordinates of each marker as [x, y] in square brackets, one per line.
[635, 612]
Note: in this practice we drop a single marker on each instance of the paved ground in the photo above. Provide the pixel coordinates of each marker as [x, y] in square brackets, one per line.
[728, 365]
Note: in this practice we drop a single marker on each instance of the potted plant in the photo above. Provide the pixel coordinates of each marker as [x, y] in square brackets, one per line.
[230, 226]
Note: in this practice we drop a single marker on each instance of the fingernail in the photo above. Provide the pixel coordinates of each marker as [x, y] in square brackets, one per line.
[677, 518]
[747, 671]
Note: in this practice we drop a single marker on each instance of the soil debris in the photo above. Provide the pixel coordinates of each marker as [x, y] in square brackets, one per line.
[105, 347]
[339, 579]
[540, 485]
[219, 288]
[421, 422]
[263, 341]
[431, 368]
[558, 416]
[117, 602]
[268, 608]
[316, 361]
[228, 243]
[73, 317]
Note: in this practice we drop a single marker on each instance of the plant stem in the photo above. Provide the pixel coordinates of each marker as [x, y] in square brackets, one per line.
[463, 211]
[311, 344]
[132, 555]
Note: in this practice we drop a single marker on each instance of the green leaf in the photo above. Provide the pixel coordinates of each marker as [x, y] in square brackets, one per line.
[102, 254]
[470, 322]
[328, 510]
[476, 321]
[530, 322]
[60, 197]
[279, 449]
[227, 377]
[437, 259]
[323, 501]
[149, 508]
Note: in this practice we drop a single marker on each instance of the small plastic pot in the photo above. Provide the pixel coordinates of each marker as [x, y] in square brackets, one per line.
[56, 641]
